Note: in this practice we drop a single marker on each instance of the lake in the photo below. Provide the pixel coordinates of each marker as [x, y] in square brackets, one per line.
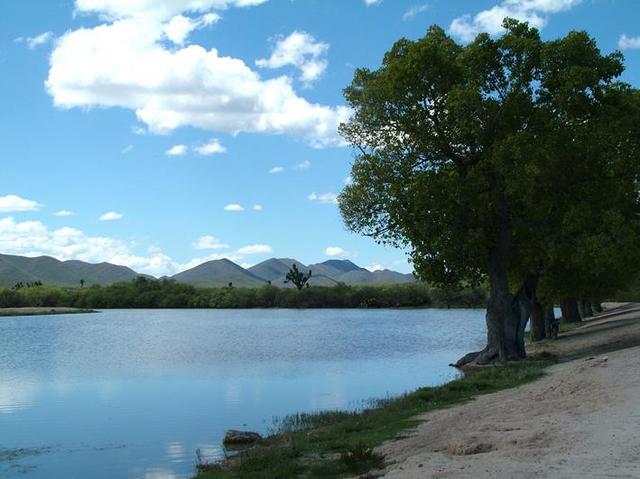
[134, 393]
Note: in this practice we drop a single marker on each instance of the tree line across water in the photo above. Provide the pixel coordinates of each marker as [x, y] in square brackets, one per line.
[147, 293]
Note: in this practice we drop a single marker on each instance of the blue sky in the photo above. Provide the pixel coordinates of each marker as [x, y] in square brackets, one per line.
[162, 133]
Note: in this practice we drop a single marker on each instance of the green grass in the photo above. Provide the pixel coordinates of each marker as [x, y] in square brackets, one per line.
[340, 444]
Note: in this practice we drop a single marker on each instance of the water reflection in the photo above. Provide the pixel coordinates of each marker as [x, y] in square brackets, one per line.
[135, 393]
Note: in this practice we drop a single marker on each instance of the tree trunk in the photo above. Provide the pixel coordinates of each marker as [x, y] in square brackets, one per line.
[581, 309]
[507, 315]
[506, 318]
[538, 326]
[550, 322]
[569, 308]
[588, 310]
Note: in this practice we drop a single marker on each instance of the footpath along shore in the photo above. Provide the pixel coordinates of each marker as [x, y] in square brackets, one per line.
[582, 420]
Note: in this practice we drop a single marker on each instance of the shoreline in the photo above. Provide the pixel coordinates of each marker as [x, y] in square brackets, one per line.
[401, 438]
[42, 311]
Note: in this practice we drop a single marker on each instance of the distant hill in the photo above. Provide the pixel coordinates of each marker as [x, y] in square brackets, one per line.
[14, 269]
[275, 268]
[219, 272]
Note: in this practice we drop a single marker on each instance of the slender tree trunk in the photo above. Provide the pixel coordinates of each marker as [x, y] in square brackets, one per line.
[550, 322]
[538, 326]
[581, 309]
[588, 310]
[569, 308]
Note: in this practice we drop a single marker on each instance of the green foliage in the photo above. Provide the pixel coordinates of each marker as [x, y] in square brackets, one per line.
[148, 293]
[338, 444]
[512, 148]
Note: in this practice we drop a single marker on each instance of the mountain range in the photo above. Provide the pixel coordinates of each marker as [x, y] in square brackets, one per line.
[14, 269]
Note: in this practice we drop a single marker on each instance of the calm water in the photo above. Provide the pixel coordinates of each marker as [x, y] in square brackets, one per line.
[134, 393]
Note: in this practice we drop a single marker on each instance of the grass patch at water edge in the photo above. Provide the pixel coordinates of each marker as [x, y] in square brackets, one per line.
[338, 444]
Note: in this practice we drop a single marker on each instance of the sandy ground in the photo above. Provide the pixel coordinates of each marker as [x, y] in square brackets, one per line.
[580, 421]
[30, 311]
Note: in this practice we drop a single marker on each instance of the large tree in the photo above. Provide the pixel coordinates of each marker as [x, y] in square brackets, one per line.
[479, 157]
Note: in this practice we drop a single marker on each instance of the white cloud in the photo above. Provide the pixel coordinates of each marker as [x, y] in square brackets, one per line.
[33, 42]
[179, 27]
[626, 42]
[255, 249]
[305, 165]
[375, 267]
[276, 169]
[14, 203]
[303, 52]
[211, 148]
[156, 9]
[138, 130]
[414, 11]
[126, 149]
[333, 251]
[33, 238]
[209, 242]
[535, 12]
[324, 198]
[63, 213]
[257, 208]
[110, 216]
[176, 150]
[371, 2]
[125, 63]
[234, 207]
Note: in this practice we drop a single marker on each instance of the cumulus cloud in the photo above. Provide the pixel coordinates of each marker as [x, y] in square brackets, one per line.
[179, 27]
[257, 208]
[276, 169]
[234, 207]
[625, 42]
[326, 198]
[177, 150]
[337, 251]
[14, 203]
[110, 216]
[33, 238]
[209, 242]
[125, 62]
[536, 12]
[34, 42]
[302, 51]
[63, 213]
[305, 165]
[255, 249]
[211, 148]
[156, 9]
[371, 2]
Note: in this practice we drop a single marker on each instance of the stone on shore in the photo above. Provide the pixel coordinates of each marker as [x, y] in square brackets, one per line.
[240, 438]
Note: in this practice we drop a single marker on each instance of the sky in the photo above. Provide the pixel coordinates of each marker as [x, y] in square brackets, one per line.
[159, 134]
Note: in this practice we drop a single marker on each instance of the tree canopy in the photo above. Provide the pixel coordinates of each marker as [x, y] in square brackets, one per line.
[512, 159]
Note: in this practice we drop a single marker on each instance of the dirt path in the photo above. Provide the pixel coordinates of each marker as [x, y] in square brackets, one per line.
[580, 421]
